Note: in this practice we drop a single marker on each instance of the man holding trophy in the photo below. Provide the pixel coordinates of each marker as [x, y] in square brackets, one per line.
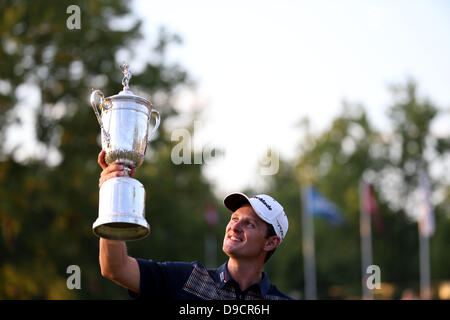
[256, 228]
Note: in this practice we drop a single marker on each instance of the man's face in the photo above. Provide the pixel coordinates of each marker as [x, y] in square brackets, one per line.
[245, 234]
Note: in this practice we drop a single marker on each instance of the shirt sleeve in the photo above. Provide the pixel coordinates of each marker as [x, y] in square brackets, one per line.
[161, 280]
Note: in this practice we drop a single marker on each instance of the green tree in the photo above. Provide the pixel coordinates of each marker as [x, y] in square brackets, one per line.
[334, 161]
[410, 148]
[49, 193]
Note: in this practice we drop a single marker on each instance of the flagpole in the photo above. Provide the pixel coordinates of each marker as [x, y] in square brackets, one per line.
[210, 240]
[366, 242]
[424, 247]
[210, 243]
[426, 228]
[308, 250]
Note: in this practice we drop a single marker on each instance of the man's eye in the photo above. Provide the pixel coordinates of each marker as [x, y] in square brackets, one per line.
[250, 224]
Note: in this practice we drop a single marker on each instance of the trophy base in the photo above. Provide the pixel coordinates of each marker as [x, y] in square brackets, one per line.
[121, 213]
[121, 231]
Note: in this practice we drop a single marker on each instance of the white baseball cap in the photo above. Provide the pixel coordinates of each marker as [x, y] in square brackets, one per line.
[266, 207]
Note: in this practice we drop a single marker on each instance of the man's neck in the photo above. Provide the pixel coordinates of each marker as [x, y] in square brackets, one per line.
[245, 273]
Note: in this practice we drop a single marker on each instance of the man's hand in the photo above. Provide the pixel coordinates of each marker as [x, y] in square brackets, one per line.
[111, 171]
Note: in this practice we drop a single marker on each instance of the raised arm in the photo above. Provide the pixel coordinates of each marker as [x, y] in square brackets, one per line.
[115, 264]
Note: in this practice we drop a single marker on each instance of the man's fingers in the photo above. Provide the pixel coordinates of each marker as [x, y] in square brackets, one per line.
[112, 170]
[113, 167]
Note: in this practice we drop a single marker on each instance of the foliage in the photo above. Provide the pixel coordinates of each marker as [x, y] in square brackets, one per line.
[49, 200]
[335, 161]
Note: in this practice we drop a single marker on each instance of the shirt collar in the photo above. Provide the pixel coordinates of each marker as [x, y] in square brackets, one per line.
[222, 277]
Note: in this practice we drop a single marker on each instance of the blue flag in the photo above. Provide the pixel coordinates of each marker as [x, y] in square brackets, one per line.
[318, 205]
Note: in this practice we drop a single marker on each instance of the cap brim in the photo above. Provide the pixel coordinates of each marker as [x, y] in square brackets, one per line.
[235, 200]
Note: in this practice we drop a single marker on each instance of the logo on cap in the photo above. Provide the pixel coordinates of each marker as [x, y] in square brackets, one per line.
[280, 228]
[264, 202]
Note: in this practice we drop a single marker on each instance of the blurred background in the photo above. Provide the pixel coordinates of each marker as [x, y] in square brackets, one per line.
[345, 100]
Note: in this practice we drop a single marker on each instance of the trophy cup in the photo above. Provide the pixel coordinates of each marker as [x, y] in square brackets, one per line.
[124, 122]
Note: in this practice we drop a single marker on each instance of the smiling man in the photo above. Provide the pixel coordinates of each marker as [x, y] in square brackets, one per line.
[256, 228]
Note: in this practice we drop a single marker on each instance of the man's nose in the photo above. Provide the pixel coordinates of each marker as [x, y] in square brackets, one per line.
[237, 226]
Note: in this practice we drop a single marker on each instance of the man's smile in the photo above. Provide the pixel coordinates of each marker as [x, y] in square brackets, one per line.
[235, 238]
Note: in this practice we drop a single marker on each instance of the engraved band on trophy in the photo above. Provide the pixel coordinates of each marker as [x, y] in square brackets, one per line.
[124, 122]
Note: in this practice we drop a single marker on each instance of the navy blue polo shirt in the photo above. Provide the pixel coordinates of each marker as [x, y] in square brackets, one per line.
[192, 281]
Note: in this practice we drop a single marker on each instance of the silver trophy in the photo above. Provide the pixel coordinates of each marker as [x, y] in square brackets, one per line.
[124, 122]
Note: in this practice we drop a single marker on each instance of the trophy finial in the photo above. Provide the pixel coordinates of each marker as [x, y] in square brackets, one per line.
[126, 76]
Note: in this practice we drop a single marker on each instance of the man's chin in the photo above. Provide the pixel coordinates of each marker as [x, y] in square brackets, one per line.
[231, 249]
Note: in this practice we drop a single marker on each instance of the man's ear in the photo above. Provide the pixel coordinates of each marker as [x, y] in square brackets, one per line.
[271, 243]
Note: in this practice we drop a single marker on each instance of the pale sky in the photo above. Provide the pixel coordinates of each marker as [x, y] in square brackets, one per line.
[261, 66]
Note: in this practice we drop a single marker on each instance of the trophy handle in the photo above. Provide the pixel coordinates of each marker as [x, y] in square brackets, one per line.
[158, 119]
[97, 114]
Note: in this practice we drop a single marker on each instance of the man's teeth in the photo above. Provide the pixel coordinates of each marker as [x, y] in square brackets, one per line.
[235, 239]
